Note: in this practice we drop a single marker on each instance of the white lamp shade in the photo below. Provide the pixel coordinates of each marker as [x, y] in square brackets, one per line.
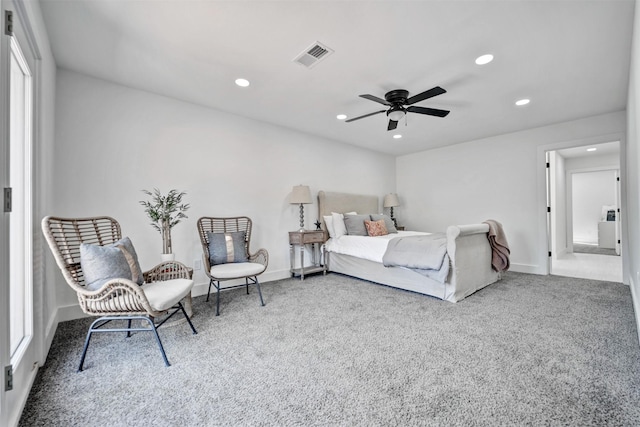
[391, 200]
[300, 195]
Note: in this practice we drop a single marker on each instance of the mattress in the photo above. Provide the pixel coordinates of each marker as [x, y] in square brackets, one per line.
[365, 247]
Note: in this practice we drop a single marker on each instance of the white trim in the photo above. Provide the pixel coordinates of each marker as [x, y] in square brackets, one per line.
[635, 302]
[73, 311]
[525, 268]
[68, 312]
[543, 239]
[49, 333]
[27, 209]
[27, 56]
[21, 11]
[15, 415]
[4, 219]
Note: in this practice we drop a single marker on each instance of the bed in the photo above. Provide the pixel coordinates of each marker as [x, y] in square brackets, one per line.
[467, 247]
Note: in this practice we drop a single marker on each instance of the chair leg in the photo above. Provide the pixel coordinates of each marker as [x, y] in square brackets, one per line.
[97, 325]
[187, 317]
[155, 331]
[209, 291]
[218, 300]
[259, 291]
[254, 281]
[86, 344]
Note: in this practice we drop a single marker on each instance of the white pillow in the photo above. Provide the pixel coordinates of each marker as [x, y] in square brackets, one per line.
[339, 228]
[328, 223]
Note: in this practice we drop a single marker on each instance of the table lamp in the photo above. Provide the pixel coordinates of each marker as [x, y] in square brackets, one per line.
[390, 201]
[300, 195]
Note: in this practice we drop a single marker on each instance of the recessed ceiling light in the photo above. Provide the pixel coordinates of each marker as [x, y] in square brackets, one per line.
[591, 149]
[397, 136]
[341, 116]
[484, 59]
[242, 82]
[522, 102]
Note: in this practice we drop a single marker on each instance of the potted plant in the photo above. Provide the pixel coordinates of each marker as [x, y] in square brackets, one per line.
[165, 213]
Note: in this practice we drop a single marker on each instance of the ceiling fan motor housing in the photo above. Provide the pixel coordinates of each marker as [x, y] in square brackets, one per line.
[397, 96]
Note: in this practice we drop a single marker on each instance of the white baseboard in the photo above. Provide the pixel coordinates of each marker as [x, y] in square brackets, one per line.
[69, 312]
[49, 333]
[634, 299]
[72, 312]
[272, 276]
[526, 268]
[16, 414]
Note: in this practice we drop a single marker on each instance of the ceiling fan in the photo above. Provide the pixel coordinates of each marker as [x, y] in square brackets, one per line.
[398, 100]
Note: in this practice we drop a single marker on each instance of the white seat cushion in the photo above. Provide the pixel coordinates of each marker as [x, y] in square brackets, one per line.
[234, 270]
[165, 294]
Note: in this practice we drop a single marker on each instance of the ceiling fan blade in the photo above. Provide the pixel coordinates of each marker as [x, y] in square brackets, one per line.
[426, 95]
[375, 99]
[366, 115]
[392, 124]
[429, 111]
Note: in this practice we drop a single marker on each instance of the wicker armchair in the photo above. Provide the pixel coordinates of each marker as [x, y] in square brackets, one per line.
[117, 299]
[256, 263]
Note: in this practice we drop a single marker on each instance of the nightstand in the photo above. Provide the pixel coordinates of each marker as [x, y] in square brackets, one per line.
[301, 239]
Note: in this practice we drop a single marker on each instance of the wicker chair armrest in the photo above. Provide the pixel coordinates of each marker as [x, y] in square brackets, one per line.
[207, 265]
[167, 271]
[261, 256]
[115, 297]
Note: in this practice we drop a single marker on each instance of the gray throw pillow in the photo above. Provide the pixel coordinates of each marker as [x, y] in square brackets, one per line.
[227, 247]
[355, 224]
[103, 263]
[388, 222]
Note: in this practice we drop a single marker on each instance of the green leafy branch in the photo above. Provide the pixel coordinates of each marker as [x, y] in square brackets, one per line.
[167, 209]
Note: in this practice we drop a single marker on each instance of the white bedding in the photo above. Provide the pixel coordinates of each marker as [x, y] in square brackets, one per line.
[365, 247]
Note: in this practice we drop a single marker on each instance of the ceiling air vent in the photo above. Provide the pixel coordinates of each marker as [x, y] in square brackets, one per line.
[313, 54]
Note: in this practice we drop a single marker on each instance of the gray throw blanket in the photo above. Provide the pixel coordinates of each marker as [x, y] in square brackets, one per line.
[426, 255]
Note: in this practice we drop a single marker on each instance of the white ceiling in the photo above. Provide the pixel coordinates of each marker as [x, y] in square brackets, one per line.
[605, 149]
[571, 57]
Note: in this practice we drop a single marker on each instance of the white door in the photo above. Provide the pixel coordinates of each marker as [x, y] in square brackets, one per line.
[18, 346]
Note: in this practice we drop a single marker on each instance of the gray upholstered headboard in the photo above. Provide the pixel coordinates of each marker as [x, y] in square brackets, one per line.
[344, 202]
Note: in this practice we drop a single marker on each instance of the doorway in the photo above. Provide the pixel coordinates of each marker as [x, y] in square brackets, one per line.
[584, 220]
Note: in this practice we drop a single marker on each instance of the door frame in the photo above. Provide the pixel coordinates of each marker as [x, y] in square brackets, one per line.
[543, 237]
[12, 402]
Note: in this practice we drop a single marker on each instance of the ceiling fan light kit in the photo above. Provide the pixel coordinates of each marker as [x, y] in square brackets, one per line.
[398, 100]
[396, 113]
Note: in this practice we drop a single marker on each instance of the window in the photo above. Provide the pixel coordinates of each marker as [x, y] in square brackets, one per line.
[20, 230]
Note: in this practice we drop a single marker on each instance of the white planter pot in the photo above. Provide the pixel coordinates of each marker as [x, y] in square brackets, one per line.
[168, 257]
